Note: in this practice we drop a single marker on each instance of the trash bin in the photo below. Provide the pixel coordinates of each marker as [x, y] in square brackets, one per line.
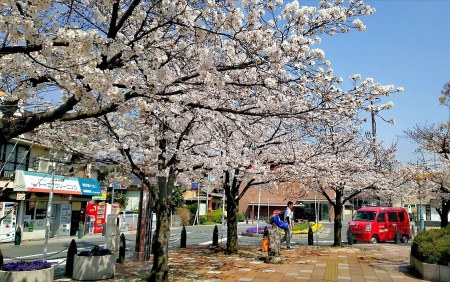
[80, 233]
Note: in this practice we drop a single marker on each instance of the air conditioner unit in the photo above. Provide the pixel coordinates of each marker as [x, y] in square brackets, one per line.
[45, 166]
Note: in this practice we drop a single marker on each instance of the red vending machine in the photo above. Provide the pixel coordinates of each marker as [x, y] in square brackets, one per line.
[95, 216]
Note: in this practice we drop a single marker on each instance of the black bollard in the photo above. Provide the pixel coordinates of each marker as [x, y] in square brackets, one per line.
[122, 247]
[183, 238]
[397, 236]
[18, 236]
[215, 241]
[71, 252]
[350, 236]
[1, 259]
[310, 236]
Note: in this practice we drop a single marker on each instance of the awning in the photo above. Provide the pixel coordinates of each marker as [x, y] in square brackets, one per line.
[29, 181]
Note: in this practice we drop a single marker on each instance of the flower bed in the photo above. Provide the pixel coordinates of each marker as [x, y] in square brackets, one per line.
[260, 229]
[96, 264]
[24, 271]
[314, 228]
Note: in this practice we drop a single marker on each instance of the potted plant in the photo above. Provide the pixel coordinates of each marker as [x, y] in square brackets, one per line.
[36, 271]
[95, 264]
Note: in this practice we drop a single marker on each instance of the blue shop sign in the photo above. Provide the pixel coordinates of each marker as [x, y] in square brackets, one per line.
[90, 187]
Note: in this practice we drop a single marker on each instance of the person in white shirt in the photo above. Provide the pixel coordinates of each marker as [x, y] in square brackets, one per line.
[288, 218]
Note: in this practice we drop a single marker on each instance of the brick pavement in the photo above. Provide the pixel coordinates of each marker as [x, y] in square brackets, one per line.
[360, 262]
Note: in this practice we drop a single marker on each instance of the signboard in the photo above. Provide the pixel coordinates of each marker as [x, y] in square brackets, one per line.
[20, 196]
[194, 185]
[102, 197]
[118, 186]
[29, 181]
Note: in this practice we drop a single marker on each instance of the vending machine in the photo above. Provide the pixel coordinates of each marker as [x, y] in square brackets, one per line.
[8, 224]
[96, 216]
[65, 219]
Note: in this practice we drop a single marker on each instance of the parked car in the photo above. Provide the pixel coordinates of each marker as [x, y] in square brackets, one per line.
[378, 224]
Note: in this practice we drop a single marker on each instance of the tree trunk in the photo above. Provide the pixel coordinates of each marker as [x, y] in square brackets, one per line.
[231, 193]
[160, 269]
[444, 213]
[274, 247]
[338, 208]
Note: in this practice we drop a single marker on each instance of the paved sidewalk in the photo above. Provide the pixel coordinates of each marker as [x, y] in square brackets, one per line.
[360, 262]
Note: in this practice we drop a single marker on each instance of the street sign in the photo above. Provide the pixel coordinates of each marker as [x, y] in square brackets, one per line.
[194, 185]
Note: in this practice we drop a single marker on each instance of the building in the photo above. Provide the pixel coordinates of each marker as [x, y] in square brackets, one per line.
[28, 171]
[263, 201]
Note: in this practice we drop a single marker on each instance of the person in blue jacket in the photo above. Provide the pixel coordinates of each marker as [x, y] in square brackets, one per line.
[288, 215]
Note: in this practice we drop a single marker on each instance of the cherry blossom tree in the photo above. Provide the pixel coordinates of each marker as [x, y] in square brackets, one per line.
[168, 74]
[92, 56]
[434, 139]
[344, 163]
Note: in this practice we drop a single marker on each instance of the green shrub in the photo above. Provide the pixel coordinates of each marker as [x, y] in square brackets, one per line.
[301, 226]
[240, 217]
[432, 246]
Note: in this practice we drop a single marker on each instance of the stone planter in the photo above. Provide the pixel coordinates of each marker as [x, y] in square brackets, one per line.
[88, 268]
[43, 275]
[433, 272]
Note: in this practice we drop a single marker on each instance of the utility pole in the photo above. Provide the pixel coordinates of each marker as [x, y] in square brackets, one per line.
[49, 207]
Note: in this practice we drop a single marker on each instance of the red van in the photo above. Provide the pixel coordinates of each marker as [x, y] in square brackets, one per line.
[377, 224]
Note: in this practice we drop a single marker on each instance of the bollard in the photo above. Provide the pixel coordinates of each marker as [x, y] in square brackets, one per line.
[397, 236]
[1, 259]
[183, 238]
[18, 236]
[215, 241]
[71, 252]
[310, 236]
[413, 231]
[350, 236]
[122, 246]
[132, 225]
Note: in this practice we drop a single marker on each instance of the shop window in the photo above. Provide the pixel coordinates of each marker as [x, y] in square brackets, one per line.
[41, 210]
[28, 221]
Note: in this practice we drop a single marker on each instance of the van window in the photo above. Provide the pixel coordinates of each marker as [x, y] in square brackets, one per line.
[392, 216]
[381, 217]
[401, 216]
[365, 215]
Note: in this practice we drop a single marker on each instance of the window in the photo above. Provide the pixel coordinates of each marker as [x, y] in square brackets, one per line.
[365, 215]
[401, 216]
[381, 217]
[13, 157]
[392, 216]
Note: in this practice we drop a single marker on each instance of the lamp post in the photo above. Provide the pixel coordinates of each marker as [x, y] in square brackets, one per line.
[259, 203]
[421, 220]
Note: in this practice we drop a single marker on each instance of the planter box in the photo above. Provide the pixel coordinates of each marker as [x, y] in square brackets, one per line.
[432, 272]
[94, 268]
[43, 275]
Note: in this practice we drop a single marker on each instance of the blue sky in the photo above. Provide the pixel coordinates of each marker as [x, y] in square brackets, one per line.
[406, 43]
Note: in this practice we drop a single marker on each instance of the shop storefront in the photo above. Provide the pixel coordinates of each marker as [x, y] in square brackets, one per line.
[69, 201]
